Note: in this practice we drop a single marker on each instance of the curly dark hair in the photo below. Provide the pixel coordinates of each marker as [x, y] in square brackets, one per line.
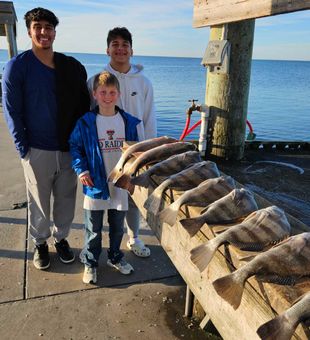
[39, 13]
[119, 32]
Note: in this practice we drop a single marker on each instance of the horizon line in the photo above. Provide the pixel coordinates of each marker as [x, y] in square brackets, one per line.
[160, 56]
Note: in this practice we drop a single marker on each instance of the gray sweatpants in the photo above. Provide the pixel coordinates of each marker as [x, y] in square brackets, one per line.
[132, 219]
[49, 174]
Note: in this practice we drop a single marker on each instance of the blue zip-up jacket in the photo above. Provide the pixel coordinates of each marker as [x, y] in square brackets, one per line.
[86, 154]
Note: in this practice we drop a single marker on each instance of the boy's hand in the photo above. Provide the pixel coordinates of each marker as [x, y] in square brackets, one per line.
[86, 180]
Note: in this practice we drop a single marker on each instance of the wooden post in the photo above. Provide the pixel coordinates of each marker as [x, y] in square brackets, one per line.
[189, 302]
[227, 94]
[9, 31]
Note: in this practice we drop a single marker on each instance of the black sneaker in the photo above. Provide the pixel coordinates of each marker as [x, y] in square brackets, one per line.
[64, 251]
[41, 258]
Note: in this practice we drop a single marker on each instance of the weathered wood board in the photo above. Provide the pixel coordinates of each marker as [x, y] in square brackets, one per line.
[7, 16]
[216, 12]
[260, 302]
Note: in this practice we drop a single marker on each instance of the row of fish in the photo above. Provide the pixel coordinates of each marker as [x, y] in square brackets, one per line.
[286, 263]
[182, 169]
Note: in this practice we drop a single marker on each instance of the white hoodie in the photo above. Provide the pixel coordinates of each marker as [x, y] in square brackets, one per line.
[136, 98]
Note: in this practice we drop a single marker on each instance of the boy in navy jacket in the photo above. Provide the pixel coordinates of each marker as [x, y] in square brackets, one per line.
[95, 146]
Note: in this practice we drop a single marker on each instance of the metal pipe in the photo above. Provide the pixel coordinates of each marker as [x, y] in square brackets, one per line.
[202, 143]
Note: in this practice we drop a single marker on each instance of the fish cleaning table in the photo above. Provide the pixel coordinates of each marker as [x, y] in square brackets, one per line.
[260, 303]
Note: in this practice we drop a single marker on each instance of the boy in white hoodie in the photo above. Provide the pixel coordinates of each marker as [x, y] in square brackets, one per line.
[138, 99]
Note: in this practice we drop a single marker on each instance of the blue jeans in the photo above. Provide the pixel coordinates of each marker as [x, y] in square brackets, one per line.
[93, 236]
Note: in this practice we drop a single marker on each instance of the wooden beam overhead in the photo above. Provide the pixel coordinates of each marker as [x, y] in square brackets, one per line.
[7, 7]
[216, 12]
[7, 16]
[7, 13]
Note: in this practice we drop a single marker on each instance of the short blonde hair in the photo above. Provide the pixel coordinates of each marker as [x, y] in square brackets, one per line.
[107, 79]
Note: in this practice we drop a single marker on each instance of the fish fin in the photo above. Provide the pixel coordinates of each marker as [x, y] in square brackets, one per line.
[191, 225]
[279, 328]
[227, 223]
[219, 228]
[249, 247]
[247, 258]
[125, 147]
[114, 175]
[203, 254]
[142, 180]
[230, 289]
[282, 241]
[123, 181]
[137, 154]
[204, 209]
[131, 188]
[169, 215]
[277, 279]
[153, 202]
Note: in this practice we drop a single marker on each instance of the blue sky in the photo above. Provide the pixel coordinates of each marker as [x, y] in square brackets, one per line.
[159, 28]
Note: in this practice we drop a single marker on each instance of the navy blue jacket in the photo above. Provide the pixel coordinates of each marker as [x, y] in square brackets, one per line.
[86, 154]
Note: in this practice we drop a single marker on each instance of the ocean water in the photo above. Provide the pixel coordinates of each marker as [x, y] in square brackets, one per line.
[279, 100]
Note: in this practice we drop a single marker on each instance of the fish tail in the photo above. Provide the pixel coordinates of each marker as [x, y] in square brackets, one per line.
[203, 254]
[153, 202]
[131, 188]
[142, 180]
[169, 215]
[279, 328]
[230, 288]
[123, 181]
[191, 225]
[114, 174]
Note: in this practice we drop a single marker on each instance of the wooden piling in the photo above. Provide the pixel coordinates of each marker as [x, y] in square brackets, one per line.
[8, 21]
[227, 94]
[11, 38]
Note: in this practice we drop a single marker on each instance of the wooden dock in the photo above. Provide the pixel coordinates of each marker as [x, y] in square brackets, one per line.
[260, 302]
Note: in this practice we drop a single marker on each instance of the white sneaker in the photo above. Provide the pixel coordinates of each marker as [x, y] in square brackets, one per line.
[122, 266]
[90, 275]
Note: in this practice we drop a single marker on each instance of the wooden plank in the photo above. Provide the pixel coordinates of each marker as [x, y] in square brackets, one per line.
[260, 302]
[8, 7]
[6, 18]
[216, 12]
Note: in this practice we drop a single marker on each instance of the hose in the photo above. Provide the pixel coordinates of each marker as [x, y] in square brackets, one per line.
[187, 130]
[192, 128]
[184, 133]
[249, 126]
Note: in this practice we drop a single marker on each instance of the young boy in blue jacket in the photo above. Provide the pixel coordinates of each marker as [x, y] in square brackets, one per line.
[95, 146]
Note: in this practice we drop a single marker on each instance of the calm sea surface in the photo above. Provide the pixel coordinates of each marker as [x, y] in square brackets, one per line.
[279, 102]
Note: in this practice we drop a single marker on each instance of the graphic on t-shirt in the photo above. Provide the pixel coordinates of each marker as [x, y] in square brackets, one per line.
[110, 133]
[110, 144]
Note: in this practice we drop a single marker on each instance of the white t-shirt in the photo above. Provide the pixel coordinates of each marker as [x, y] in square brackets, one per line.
[111, 135]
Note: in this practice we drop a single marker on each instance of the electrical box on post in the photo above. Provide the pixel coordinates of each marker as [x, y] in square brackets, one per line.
[216, 56]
